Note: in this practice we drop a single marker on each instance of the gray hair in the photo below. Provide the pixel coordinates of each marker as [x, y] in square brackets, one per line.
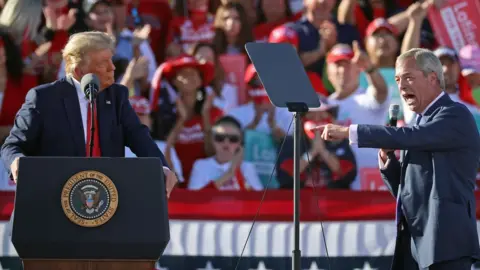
[79, 45]
[21, 15]
[426, 61]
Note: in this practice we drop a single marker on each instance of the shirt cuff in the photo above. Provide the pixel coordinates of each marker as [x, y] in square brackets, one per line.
[382, 165]
[166, 168]
[353, 134]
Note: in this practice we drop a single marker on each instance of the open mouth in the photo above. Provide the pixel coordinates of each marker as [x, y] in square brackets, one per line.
[409, 98]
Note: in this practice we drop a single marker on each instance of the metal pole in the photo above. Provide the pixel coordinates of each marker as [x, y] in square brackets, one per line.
[296, 265]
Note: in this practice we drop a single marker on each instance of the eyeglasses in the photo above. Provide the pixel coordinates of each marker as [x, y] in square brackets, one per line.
[223, 137]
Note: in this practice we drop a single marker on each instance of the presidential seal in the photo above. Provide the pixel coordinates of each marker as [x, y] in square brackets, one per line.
[89, 199]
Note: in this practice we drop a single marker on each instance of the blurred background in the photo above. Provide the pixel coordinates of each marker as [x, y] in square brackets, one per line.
[193, 85]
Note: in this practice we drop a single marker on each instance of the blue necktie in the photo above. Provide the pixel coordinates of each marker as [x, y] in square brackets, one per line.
[399, 199]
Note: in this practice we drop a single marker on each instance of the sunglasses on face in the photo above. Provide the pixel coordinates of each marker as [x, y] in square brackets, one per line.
[223, 137]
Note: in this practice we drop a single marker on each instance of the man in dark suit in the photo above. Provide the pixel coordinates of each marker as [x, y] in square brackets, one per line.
[55, 118]
[435, 180]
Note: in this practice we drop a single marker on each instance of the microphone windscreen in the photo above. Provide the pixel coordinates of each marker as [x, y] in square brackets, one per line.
[394, 111]
[90, 79]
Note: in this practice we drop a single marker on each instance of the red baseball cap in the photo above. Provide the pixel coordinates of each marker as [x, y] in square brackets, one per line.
[378, 24]
[284, 34]
[257, 94]
[340, 52]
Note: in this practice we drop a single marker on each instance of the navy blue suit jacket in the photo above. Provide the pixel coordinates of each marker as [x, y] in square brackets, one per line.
[437, 177]
[49, 123]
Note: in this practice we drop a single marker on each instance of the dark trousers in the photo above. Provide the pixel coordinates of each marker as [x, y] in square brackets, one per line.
[404, 258]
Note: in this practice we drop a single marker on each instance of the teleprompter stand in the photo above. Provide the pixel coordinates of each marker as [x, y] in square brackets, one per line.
[288, 86]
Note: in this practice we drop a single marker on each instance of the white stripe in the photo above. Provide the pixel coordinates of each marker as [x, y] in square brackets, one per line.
[377, 238]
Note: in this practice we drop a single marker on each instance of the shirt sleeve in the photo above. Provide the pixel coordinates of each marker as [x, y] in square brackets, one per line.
[199, 178]
[353, 134]
[382, 165]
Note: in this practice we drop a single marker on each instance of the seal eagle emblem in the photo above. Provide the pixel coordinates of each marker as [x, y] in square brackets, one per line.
[89, 199]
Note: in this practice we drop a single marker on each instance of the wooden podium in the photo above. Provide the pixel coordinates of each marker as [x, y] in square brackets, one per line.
[90, 213]
[87, 265]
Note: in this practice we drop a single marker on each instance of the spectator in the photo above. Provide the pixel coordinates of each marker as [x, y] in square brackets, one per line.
[363, 12]
[232, 29]
[157, 14]
[183, 112]
[451, 73]
[99, 17]
[12, 87]
[324, 164]
[226, 170]
[285, 34]
[317, 31]
[192, 23]
[259, 114]
[133, 75]
[381, 43]
[356, 105]
[270, 14]
[25, 51]
[226, 94]
[142, 108]
[470, 62]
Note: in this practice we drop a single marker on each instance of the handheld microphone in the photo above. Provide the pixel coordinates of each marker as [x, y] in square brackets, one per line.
[90, 84]
[393, 113]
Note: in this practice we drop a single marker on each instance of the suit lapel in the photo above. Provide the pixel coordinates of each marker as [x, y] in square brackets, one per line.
[105, 118]
[72, 109]
[443, 101]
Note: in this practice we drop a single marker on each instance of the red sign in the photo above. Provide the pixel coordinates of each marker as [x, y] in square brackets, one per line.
[235, 66]
[370, 179]
[456, 23]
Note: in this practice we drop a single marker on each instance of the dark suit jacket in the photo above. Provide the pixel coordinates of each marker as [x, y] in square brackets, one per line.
[49, 123]
[437, 178]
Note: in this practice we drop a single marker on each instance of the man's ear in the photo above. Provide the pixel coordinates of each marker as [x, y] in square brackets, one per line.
[432, 78]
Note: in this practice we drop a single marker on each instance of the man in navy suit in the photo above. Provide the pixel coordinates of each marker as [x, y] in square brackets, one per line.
[435, 180]
[55, 117]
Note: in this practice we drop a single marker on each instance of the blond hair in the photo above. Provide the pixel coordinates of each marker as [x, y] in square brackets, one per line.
[79, 45]
[22, 17]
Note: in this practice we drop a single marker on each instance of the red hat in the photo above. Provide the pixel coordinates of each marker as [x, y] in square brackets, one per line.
[380, 23]
[257, 94]
[284, 34]
[340, 52]
[169, 69]
[140, 104]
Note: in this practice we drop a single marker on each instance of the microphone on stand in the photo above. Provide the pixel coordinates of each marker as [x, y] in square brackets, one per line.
[90, 84]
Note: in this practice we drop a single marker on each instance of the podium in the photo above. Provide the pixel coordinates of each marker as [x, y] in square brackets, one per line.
[90, 213]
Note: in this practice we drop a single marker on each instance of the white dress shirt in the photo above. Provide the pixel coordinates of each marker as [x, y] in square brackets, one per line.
[84, 108]
[83, 105]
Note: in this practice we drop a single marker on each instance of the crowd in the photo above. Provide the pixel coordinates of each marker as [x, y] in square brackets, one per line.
[193, 85]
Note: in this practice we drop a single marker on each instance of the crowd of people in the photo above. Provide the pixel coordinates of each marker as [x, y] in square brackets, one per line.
[170, 55]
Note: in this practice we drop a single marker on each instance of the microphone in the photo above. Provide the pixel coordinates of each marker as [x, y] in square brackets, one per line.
[90, 85]
[393, 113]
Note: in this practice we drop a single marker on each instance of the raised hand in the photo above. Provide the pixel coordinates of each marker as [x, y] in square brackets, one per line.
[360, 58]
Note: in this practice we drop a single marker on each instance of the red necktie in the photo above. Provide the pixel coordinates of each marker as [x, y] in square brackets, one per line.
[96, 139]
